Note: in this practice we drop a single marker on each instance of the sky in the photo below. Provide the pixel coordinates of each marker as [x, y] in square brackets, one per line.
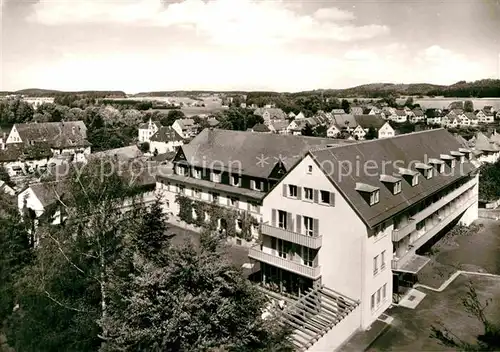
[278, 45]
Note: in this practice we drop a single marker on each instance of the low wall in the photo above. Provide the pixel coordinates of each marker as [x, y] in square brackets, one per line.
[340, 333]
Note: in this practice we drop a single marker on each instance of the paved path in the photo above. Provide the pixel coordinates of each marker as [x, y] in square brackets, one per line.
[453, 277]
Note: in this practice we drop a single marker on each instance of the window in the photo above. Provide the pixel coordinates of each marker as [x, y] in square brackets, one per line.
[282, 219]
[216, 177]
[440, 168]
[292, 191]
[180, 170]
[428, 173]
[414, 180]
[375, 265]
[235, 180]
[373, 302]
[308, 226]
[384, 292]
[308, 255]
[197, 173]
[308, 194]
[215, 197]
[397, 187]
[309, 169]
[182, 189]
[378, 296]
[256, 185]
[325, 197]
[382, 260]
[233, 201]
[374, 197]
[197, 192]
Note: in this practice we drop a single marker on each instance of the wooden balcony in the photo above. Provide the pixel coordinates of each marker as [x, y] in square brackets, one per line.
[297, 238]
[285, 264]
[404, 231]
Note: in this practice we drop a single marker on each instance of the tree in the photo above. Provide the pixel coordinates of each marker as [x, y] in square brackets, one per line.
[144, 147]
[468, 106]
[409, 102]
[489, 340]
[371, 134]
[320, 131]
[194, 300]
[5, 177]
[307, 130]
[63, 296]
[346, 106]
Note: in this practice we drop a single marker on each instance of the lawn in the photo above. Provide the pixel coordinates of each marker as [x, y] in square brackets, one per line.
[410, 330]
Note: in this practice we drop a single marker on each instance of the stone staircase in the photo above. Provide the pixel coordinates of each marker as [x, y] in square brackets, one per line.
[312, 315]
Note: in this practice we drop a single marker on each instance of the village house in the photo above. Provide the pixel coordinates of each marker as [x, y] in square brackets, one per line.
[381, 127]
[186, 128]
[380, 219]
[5, 188]
[468, 119]
[487, 151]
[417, 116]
[436, 119]
[485, 116]
[165, 140]
[147, 130]
[338, 112]
[278, 126]
[356, 110]
[399, 116]
[260, 128]
[269, 114]
[300, 116]
[345, 123]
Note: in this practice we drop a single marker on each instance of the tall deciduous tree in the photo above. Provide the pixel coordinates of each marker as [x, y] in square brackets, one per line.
[346, 106]
[468, 106]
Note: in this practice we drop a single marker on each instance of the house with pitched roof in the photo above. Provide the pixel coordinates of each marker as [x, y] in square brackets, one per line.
[269, 114]
[487, 150]
[165, 140]
[232, 169]
[485, 116]
[356, 110]
[186, 128]
[417, 116]
[417, 185]
[260, 128]
[63, 138]
[147, 130]
[300, 116]
[364, 122]
[399, 116]
[278, 126]
[338, 112]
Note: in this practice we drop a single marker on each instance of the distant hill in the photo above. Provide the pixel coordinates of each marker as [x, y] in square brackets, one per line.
[480, 89]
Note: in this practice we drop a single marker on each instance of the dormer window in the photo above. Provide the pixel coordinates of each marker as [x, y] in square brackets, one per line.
[370, 193]
[467, 152]
[458, 155]
[180, 170]
[410, 176]
[448, 159]
[438, 164]
[216, 177]
[197, 173]
[393, 183]
[235, 180]
[425, 169]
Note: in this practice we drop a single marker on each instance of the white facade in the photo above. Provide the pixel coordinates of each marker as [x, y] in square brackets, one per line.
[386, 131]
[434, 120]
[35, 102]
[13, 136]
[145, 134]
[164, 147]
[332, 131]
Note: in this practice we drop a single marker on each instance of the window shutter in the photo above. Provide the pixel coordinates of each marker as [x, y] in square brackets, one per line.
[315, 196]
[332, 199]
[273, 217]
[289, 222]
[315, 227]
[284, 190]
[299, 192]
[298, 225]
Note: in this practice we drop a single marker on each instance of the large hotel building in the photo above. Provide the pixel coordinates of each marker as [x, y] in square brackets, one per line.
[338, 224]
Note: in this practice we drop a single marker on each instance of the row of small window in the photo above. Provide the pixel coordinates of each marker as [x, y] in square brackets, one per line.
[215, 176]
[309, 194]
[378, 258]
[215, 198]
[379, 297]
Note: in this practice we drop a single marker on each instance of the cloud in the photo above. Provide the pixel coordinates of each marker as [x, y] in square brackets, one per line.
[333, 14]
[232, 22]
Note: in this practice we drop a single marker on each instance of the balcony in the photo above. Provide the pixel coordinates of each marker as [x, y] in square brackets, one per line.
[297, 238]
[399, 234]
[428, 233]
[294, 267]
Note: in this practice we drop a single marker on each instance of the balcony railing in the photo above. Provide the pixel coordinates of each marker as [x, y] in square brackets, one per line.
[294, 267]
[399, 234]
[430, 232]
[290, 236]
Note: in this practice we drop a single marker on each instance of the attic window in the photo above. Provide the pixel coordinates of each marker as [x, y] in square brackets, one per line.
[410, 176]
[448, 159]
[369, 192]
[467, 152]
[309, 169]
[393, 183]
[439, 164]
[425, 169]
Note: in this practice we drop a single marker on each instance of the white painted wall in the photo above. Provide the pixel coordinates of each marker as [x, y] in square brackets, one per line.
[163, 147]
[13, 136]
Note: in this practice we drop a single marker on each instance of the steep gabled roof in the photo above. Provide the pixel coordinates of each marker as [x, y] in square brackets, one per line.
[367, 121]
[481, 142]
[186, 123]
[165, 135]
[345, 120]
[56, 134]
[255, 153]
[260, 127]
[145, 125]
[389, 155]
